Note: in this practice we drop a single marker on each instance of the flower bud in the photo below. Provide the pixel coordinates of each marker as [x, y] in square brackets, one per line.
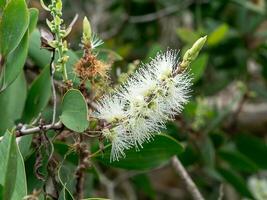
[192, 53]
[86, 31]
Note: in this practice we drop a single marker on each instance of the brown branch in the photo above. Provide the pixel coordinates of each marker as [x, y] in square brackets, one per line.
[191, 187]
[84, 163]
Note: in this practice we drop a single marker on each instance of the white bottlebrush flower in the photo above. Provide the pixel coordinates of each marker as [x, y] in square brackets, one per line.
[110, 109]
[140, 108]
[119, 141]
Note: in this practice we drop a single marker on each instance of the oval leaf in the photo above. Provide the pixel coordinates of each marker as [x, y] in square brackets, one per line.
[14, 63]
[74, 111]
[153, 154]
[218, 35]
[38, 95]
[13, 25]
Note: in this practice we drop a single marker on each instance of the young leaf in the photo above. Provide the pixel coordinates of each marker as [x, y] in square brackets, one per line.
[12, 102]
[14, 63]
[74, 111]
[38, 95]
[153, 154]
[13, 25]
[187, 35]
[218, 35]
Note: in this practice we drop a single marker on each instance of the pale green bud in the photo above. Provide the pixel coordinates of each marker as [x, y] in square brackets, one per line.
[86, 31]
[192, 53]
[59, 5]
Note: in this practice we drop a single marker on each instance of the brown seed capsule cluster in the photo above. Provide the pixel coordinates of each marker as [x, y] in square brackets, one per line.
[90, 67]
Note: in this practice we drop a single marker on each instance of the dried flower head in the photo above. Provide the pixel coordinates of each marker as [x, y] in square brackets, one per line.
[89, 66]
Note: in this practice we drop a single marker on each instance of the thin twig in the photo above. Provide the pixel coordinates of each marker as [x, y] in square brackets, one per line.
[52, 72]
[191, 187]
[221, 193]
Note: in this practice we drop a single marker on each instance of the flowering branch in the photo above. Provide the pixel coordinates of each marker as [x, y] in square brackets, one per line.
[141, 106]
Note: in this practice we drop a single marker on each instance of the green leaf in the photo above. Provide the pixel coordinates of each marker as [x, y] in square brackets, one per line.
[34, 14]
[2, 4]
[236, 181]
[38, 95]
[41, 57]
[74, 111]
[238, 161]
[14, 63]
[218, 35]
[208, 152]
[12, 102]
[142, 183]
[153, 154]
[13, 25]
[254, 148]
[12, 168]
[187, 35]
[198, 67]
[108, 55]
[10, 165]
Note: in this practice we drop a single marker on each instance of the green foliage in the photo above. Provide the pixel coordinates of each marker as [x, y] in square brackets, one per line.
[236, 181]
[74, 111]
[12, 29]
[12, 167]
[12, 103]
[153, 154]
[33, 14]
[38, 95]
[198, 67]
[14, 63]
[256, 151]
[218, 35]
